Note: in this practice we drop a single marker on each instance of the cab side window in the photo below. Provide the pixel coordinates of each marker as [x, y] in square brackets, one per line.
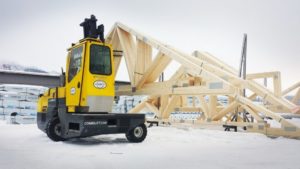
[75, 62]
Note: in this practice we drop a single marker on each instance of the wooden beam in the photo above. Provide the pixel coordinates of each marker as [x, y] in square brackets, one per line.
[160, 62]
[193, 101]
[115, 42]
[212, 105]
[269, 96]
[117, 62]
[226, 110]
[253, 113]
[262, 109]
[162, 88]
[164, 100]
[143, 60]
[153, 109]
[262, 75]
[178, 74]
[253, 96]
[170, 107]
[129, 49]
[183, 101]
[215, 61]
[252, 85]
[138, 107]
[296, 97]
[277, 84]
[188, 109]
[288, 90]
[109, 35]
[204, 105]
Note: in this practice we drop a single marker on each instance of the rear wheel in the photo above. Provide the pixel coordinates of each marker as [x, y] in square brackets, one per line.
[137, 134]
[54, 130]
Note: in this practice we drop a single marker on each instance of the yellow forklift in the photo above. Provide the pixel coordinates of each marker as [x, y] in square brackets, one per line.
[81, 106]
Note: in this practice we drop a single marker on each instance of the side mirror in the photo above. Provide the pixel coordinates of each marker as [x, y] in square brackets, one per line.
[62, 78]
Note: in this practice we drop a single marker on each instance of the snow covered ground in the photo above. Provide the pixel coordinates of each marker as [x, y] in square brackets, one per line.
[25, 147]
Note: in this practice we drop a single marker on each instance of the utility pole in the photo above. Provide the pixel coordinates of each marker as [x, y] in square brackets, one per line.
[243, 62]
[243, 71]
[242, 74]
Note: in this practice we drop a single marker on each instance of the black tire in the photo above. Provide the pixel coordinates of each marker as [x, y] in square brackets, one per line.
[137, 134]
[53, 130]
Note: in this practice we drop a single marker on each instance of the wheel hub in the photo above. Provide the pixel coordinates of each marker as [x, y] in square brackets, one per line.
[138, 132]
[57, 129]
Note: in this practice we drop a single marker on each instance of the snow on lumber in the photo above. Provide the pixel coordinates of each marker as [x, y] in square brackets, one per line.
[25, 147]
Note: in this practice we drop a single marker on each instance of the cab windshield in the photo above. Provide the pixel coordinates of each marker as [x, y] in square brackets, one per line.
[100, 61]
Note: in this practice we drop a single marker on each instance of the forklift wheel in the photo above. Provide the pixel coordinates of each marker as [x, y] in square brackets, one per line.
[54, 130]
[137, 134]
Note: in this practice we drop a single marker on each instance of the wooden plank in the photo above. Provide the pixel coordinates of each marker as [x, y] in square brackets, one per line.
[109, 35]
[144, 50]
[226, 110]
[159, 63]
[276, 80]
[212, 105]
[204, 105]
[164, 100]
[288, 90]
[277, 84]
[115, 42]
[296, 97]
[276, 132]
[117, 62]
[183, 101]
[215, 61]
[163, 88]
[143, 60]
[262, 75]
[253, 113]
[188, 109]
[253, 96]
[138, 107]
[193, 101]
[153, 108]
[220, 123]
[276, 108]
[250, 85]
[269, 96]
[129, 49]
[262, 109]
[178, 74]
[170, 107]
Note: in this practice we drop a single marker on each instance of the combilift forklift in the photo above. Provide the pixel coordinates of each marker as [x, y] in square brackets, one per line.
[81, 106]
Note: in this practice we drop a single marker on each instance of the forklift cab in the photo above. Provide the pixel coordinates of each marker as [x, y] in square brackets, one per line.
[90, 77]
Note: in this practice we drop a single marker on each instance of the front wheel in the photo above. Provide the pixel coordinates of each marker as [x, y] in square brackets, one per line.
[53, 130]
[137, 134]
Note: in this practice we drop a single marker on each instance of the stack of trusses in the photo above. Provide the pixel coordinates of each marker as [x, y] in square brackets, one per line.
[202, 77]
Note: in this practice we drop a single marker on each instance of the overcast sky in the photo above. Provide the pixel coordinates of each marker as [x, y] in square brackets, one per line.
[37, 33]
